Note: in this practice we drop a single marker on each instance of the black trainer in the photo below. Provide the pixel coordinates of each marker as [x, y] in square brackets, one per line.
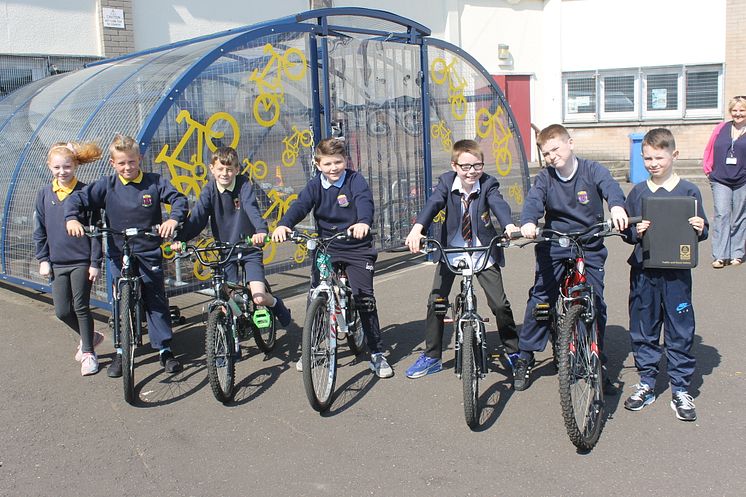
[683, 405]
[169, 362]
[643, 396]
[522, 374]
[115, 368]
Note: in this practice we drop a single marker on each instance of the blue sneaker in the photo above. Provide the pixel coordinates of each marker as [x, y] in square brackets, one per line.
[424, 366]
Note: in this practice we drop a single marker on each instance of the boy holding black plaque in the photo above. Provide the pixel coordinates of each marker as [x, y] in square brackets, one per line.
[661, 296]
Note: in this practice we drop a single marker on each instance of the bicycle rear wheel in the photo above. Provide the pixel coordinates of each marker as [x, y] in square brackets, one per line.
[580, 387]
[355, 335]
[127, 323]
[319, 356]
[470, 376]
[219, 350]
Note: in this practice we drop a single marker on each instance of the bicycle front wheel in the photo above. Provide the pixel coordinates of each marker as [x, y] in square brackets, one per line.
[470, 376]
[319, 356]
[220, 350]
[580, 388]
[127, 323]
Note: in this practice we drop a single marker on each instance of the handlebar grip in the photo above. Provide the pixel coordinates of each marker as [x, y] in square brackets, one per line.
[633, 220]
[514, 235]
[250, 243]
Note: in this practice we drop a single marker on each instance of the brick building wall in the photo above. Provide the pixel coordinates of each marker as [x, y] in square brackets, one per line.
[735, 50]
[612, 143]
[117, 41]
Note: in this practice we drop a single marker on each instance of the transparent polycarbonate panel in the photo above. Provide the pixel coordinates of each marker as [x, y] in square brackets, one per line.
[465, 105]
[377, 106]
[255, 98]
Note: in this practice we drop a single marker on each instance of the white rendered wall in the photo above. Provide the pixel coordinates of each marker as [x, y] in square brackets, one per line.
[49, 27]
[162, 22]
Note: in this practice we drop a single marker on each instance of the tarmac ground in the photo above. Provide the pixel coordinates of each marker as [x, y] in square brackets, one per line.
[65, 435]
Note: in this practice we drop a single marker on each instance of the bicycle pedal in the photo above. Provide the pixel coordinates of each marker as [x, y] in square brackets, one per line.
[542, 312]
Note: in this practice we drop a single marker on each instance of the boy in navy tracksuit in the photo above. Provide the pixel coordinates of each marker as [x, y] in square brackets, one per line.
[465, 189]
[73, 264]
[341, 200]
[569, 195]
[661, 297]
[229, 202]
[132, 199]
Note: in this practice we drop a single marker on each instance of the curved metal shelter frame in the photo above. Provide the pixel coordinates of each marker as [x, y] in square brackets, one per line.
[398, 98]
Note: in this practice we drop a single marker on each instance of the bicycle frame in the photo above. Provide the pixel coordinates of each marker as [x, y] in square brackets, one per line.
[465, 310]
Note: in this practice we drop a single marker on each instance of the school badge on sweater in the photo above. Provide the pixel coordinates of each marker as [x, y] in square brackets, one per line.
[342, 200]
[147, 200]
[583, 197]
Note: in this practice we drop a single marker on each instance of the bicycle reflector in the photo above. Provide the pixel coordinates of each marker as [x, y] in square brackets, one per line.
[262, 318]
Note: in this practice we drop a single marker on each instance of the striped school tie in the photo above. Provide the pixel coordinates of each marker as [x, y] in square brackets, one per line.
[466, 232]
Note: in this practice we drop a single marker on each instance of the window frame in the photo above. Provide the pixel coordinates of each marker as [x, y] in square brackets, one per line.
[640, 111]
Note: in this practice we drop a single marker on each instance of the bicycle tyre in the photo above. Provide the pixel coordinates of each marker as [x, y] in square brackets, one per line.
[266, 337]
[355, 335]
[219, 350]
[127, 322]
[319, 357]
[470, 376]
[580, 388]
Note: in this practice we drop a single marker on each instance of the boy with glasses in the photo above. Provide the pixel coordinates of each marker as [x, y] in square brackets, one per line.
[468, 196]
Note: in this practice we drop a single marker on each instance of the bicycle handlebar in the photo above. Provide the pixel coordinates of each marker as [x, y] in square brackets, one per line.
[431, 245]
[99, 231]
[223, 247]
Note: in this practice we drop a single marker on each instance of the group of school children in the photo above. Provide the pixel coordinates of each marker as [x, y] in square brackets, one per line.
[569, 195]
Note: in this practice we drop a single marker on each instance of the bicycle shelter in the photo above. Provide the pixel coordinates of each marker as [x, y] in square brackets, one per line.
[398, 97]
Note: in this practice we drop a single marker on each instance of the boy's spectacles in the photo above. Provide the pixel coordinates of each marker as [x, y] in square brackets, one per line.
[477, 166]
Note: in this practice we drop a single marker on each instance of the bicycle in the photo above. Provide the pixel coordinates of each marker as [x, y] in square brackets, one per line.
[575, 335]
[127, 307]
[471, 343]
[331, 312]
[231, 316]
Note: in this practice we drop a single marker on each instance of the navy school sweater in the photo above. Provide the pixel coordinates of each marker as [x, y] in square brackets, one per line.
[134, 205]
[571, 205]
[53, 244]
[634, 208]
[335, 209]
[231, 213]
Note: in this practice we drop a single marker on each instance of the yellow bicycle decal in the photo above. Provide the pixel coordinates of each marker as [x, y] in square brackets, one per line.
[279, 206]
[516, 192]
[440, 72]
[440, 131]
[201, 272]
[293, 143]
[190, 177]
[301, 251]
[292, 65]
[254, 170]
[492, 125]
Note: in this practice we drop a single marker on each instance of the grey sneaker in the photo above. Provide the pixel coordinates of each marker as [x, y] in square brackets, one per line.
[643, 396]
[379, 366]
[299, 364]
[683, 405]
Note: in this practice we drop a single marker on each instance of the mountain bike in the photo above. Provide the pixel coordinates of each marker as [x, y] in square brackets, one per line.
[127, 307]
[231, 316]
[471, 341]
[331, 314]
[573, 322]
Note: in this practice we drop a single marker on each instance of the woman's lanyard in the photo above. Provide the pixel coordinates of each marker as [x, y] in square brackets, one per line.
[731, 159]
